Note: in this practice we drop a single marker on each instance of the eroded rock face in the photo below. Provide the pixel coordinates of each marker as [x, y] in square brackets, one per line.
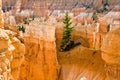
[40, 61]
[18, 57]
[111, 54]
[89, 34]
[5, 56]
[11, 53]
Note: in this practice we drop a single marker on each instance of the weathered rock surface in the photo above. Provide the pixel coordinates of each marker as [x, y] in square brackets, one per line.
[5, 56]
[18, 57]
[89, 34]
[40, 61]
[111, 54]
[113, 19]
[11, 53]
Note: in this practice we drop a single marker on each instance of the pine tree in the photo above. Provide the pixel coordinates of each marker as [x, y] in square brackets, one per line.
[66, 42]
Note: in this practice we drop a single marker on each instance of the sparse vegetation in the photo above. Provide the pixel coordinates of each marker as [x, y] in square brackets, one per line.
[105, 5]
[95, 18]
[108, 27]
[21, 28]
[67, 43]
[95, 49]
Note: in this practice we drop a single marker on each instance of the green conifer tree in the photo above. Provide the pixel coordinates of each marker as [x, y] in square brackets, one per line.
[21, 28]
[66, 42]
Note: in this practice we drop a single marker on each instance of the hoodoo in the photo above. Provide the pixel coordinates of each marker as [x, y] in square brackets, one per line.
[59, 39]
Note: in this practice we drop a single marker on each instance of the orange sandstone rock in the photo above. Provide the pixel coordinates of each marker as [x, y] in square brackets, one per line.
[40, 61]
[111, 54]
[11, 53]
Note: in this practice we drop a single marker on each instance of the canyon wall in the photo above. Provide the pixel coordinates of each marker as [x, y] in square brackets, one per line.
[11, 52]
[90, 35]
[6, 49]
[36, 59]
[40, 61]
[18, 57]
[113, 19]
[11, 55]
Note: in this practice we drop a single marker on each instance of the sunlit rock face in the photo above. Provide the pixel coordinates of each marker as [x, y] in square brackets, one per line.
[40, 61]
[6, 49]
[111, 54]
[11, 54]
[18, 57]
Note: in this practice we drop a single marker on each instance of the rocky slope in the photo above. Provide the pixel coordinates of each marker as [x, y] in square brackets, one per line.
[81, 64]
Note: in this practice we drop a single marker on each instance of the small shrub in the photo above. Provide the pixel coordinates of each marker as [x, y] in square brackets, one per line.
[21, 28]
[95, 49]
[94, 17]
